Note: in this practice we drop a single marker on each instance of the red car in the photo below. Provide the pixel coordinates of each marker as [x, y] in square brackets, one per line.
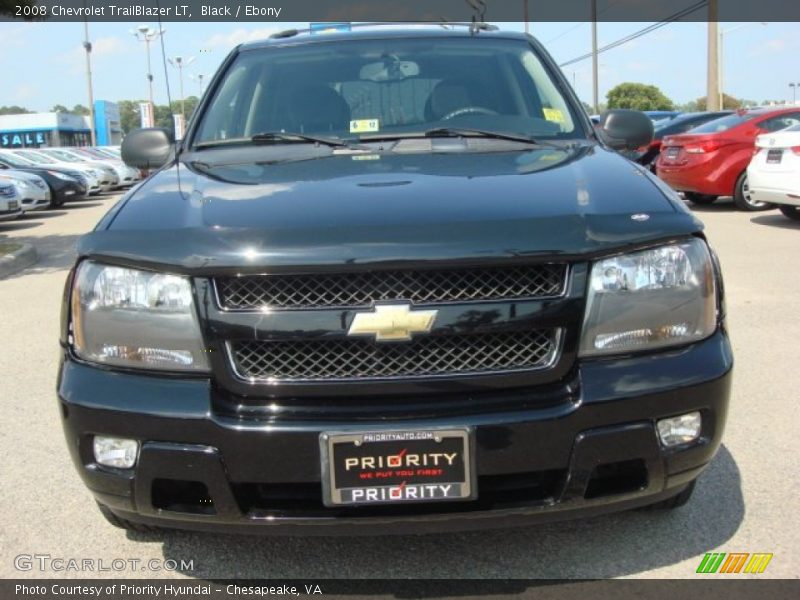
[712, 159]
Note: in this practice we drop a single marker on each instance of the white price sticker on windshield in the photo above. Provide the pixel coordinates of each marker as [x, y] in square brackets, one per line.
[364, 126]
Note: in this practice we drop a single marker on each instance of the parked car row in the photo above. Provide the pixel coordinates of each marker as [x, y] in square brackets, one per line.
[711, 160]
[43, 178]
[752, 155]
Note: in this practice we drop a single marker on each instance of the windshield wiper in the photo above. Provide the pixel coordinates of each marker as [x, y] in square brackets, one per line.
[267, 137]
[281, 136]
[496, 135]
[461, 132]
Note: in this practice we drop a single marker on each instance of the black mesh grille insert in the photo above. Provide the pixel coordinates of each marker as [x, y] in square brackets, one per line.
[364, 359]
[362, 289]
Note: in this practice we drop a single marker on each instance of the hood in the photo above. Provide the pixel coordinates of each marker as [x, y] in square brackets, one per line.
[12, 174]
[351, 208]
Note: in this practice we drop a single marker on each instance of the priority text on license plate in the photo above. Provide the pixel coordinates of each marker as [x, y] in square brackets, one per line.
[392, 467]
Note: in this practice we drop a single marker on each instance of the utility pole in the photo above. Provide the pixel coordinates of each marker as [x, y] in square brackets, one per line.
[595, 93]
[713, 92]
[87, 45]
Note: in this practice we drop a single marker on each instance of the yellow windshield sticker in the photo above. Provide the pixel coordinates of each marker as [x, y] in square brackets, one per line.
[553, 114]
[364, 126]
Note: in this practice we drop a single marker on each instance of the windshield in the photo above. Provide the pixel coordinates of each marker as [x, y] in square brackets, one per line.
[64, 155]
[35, 157]
[724, 123]
[389, 87]
[16, 161]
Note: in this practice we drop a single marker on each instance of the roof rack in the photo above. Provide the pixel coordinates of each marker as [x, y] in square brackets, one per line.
[474, 26]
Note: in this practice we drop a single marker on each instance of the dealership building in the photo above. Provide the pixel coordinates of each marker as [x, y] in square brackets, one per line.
[34, 130]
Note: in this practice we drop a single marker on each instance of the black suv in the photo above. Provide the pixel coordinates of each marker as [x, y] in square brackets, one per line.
[392, 281]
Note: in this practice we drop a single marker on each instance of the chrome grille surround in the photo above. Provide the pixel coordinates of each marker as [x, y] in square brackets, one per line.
[346, 359]
[358, 289]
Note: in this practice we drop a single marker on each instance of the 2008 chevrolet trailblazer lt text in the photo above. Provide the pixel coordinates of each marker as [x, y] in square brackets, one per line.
[392, 281]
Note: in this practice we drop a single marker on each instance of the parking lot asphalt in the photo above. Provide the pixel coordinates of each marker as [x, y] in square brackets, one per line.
[745, 502]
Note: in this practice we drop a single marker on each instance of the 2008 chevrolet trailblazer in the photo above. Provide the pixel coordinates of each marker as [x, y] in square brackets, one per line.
[392, 280]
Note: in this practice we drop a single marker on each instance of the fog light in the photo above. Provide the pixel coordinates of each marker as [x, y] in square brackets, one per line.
[115, 452]
[680, 430]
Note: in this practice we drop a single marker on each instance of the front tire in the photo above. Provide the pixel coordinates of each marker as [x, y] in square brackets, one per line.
[701, 199]
[678, 500]
[742, 198]
[793, 212]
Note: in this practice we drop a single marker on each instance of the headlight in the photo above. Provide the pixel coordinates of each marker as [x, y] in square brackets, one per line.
[61, 176]
[133, 318]
[650, 299]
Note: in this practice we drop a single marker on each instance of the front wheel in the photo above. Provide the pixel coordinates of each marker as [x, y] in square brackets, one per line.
[743, 199]
[701, 199]
[793, 212]
[54, 201]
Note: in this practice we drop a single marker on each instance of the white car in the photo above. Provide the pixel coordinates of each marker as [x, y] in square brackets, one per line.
[33, 191]
[9, 202]
[774, 171]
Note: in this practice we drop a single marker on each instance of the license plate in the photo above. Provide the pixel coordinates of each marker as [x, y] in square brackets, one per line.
[397, 467]
[672, 153]
[774, 156]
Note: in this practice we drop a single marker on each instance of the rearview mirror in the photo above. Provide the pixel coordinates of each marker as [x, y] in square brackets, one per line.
[390, 69]
[149, 148]
[626, 129]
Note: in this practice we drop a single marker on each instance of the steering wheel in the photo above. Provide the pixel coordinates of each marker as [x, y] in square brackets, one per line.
[467, 110]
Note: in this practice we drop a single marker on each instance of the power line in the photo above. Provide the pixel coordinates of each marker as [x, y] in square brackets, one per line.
[574, 27]
[637, 34]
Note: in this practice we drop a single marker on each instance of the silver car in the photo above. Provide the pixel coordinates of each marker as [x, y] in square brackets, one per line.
[33, 191]
[9, 202]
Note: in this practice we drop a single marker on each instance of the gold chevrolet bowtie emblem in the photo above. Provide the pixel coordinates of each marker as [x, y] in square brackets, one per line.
[392, 322]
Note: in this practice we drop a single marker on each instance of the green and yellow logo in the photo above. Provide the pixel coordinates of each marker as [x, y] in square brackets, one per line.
[734, 562]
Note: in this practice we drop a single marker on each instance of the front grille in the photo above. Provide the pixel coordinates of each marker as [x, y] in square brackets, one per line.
[254, 292]
[359, 359]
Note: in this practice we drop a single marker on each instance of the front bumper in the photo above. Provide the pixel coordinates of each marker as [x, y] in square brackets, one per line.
[589, 450]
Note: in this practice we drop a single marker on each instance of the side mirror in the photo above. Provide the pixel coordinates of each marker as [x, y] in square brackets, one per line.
[149, 148]
[626, 129]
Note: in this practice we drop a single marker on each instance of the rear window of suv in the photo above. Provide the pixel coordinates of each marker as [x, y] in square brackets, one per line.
[392, 85]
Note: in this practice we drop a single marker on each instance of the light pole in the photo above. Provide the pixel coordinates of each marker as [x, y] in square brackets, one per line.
[179, 63]
[87, 45]
[721, 64]
[145, 34]
[199, 78]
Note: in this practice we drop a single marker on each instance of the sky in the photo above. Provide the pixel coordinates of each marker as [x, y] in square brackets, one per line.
[43, 63]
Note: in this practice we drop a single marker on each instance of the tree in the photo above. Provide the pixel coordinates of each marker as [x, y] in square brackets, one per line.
[14, 110]
[728, 103]
[80, 109]
[638, 96]
[59, 108]
[129, 114]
